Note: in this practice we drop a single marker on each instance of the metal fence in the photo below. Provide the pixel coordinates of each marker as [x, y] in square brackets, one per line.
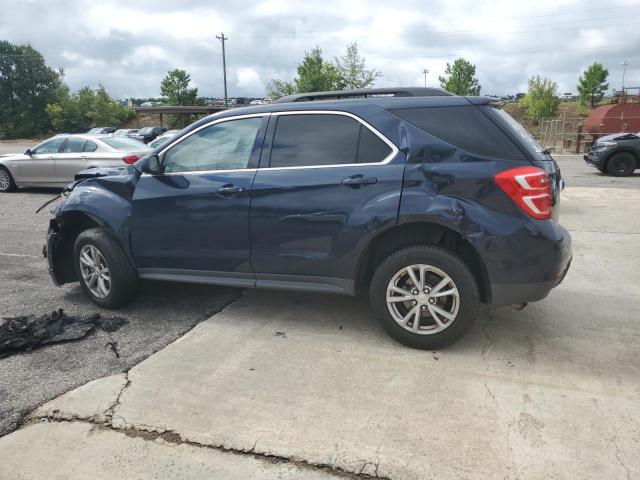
[564, 134]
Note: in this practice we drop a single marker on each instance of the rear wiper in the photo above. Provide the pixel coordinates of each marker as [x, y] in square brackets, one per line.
[548, 150]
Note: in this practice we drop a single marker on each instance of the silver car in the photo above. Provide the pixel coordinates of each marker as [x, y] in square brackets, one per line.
[55, 162]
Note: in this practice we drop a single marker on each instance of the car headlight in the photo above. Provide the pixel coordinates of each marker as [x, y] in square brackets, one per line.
[605, 145]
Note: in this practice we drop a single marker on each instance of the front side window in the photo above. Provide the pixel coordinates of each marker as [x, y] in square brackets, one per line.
[50, 146]
[324, 139]
[74, 145]
[223, 146]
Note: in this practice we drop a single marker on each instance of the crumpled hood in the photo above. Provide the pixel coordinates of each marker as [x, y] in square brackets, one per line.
[103, 172]
[119, 180]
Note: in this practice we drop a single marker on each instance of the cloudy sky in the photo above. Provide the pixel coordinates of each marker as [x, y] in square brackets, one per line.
[128, 46]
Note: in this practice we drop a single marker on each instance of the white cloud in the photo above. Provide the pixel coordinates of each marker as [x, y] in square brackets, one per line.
[129, 46]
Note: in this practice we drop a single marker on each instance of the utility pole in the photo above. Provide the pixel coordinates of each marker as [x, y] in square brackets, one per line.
[222, 38]
[425, 71]
[624, 70]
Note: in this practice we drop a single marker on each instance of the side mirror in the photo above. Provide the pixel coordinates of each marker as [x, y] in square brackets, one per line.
[154, 166]
[28, 152]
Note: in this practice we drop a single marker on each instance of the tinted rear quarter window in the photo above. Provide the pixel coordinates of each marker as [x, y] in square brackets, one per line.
[464, 127]
[324, 139]
[371, 148]
[90, 146]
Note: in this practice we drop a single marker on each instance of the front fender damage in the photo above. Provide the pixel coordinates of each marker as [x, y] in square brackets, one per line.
[102, 199]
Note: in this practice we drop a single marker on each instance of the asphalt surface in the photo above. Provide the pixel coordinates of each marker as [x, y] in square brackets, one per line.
[160, 314]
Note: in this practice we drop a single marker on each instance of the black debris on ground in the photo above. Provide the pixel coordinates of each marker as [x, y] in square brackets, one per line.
[27, 332]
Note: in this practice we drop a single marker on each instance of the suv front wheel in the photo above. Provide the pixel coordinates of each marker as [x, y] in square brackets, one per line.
[425, 297]
[103, 269]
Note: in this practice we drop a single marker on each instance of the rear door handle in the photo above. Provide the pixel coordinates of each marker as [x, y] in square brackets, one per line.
[230, 189]
[359, 180]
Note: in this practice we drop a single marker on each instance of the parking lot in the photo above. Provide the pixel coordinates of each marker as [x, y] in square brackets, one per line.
[308, 386]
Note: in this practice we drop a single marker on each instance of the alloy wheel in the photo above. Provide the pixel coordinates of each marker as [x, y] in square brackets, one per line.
[5, 180]
[95, 272]
[423, 299]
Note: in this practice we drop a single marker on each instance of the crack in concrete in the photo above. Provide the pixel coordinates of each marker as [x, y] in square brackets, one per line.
[173, 438]
[485, 358]
[484, 352]
[116, 403]
[105, 421]
[614, 441]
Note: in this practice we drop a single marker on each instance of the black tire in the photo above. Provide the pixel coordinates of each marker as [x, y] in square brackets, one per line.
[5, 186]
[449, 263]
[621, 164]
[123, 277]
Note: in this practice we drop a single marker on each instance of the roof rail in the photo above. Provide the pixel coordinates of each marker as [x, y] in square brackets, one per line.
[364, 92]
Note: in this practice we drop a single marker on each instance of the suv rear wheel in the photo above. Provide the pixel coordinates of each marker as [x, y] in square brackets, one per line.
[621, 164]
[425, 297]
[103, 269]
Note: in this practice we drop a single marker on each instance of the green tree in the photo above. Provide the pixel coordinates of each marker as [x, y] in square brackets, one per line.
[353, 72]
[315, 74]
[176, 91]
[541, 100]
[459, 78]
[592, 85]
[280, 88]
[87, 108]
[27, 85]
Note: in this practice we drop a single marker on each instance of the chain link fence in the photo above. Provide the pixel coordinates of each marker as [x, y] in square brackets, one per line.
[566, 134]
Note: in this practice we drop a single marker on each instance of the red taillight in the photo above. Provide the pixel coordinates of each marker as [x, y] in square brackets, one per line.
[129, 159]
[530, 188]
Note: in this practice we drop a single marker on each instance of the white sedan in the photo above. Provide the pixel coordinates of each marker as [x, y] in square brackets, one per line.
[55, 162]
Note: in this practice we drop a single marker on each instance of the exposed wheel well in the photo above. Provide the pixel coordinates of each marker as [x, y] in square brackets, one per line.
[421, 233]
[71, 225]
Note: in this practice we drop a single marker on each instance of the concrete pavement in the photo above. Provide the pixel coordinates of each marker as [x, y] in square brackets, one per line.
[310, 380]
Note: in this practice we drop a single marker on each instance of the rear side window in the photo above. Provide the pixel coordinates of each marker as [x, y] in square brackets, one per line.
[74, 145]
[466, 128]
[371, 148]
[323, 139]
[90, 146]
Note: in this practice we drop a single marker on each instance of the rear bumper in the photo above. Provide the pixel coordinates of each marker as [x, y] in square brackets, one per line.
[526, 266]
[517, 293]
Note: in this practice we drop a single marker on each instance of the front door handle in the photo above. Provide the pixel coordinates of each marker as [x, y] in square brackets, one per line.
[230, 189]
[359, 180]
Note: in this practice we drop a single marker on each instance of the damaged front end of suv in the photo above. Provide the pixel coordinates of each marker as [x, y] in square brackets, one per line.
[95, 199]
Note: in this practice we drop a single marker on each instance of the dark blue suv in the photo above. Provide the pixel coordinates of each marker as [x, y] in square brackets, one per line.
[431, 203]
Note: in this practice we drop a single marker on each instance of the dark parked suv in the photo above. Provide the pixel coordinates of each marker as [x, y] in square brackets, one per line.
[429, 202]
[617, 154]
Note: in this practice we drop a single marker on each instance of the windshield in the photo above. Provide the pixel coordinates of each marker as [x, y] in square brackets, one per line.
[124, 143]
[522, 133]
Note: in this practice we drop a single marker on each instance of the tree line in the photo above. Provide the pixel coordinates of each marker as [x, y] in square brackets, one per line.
[541, 101]
[34, 98]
